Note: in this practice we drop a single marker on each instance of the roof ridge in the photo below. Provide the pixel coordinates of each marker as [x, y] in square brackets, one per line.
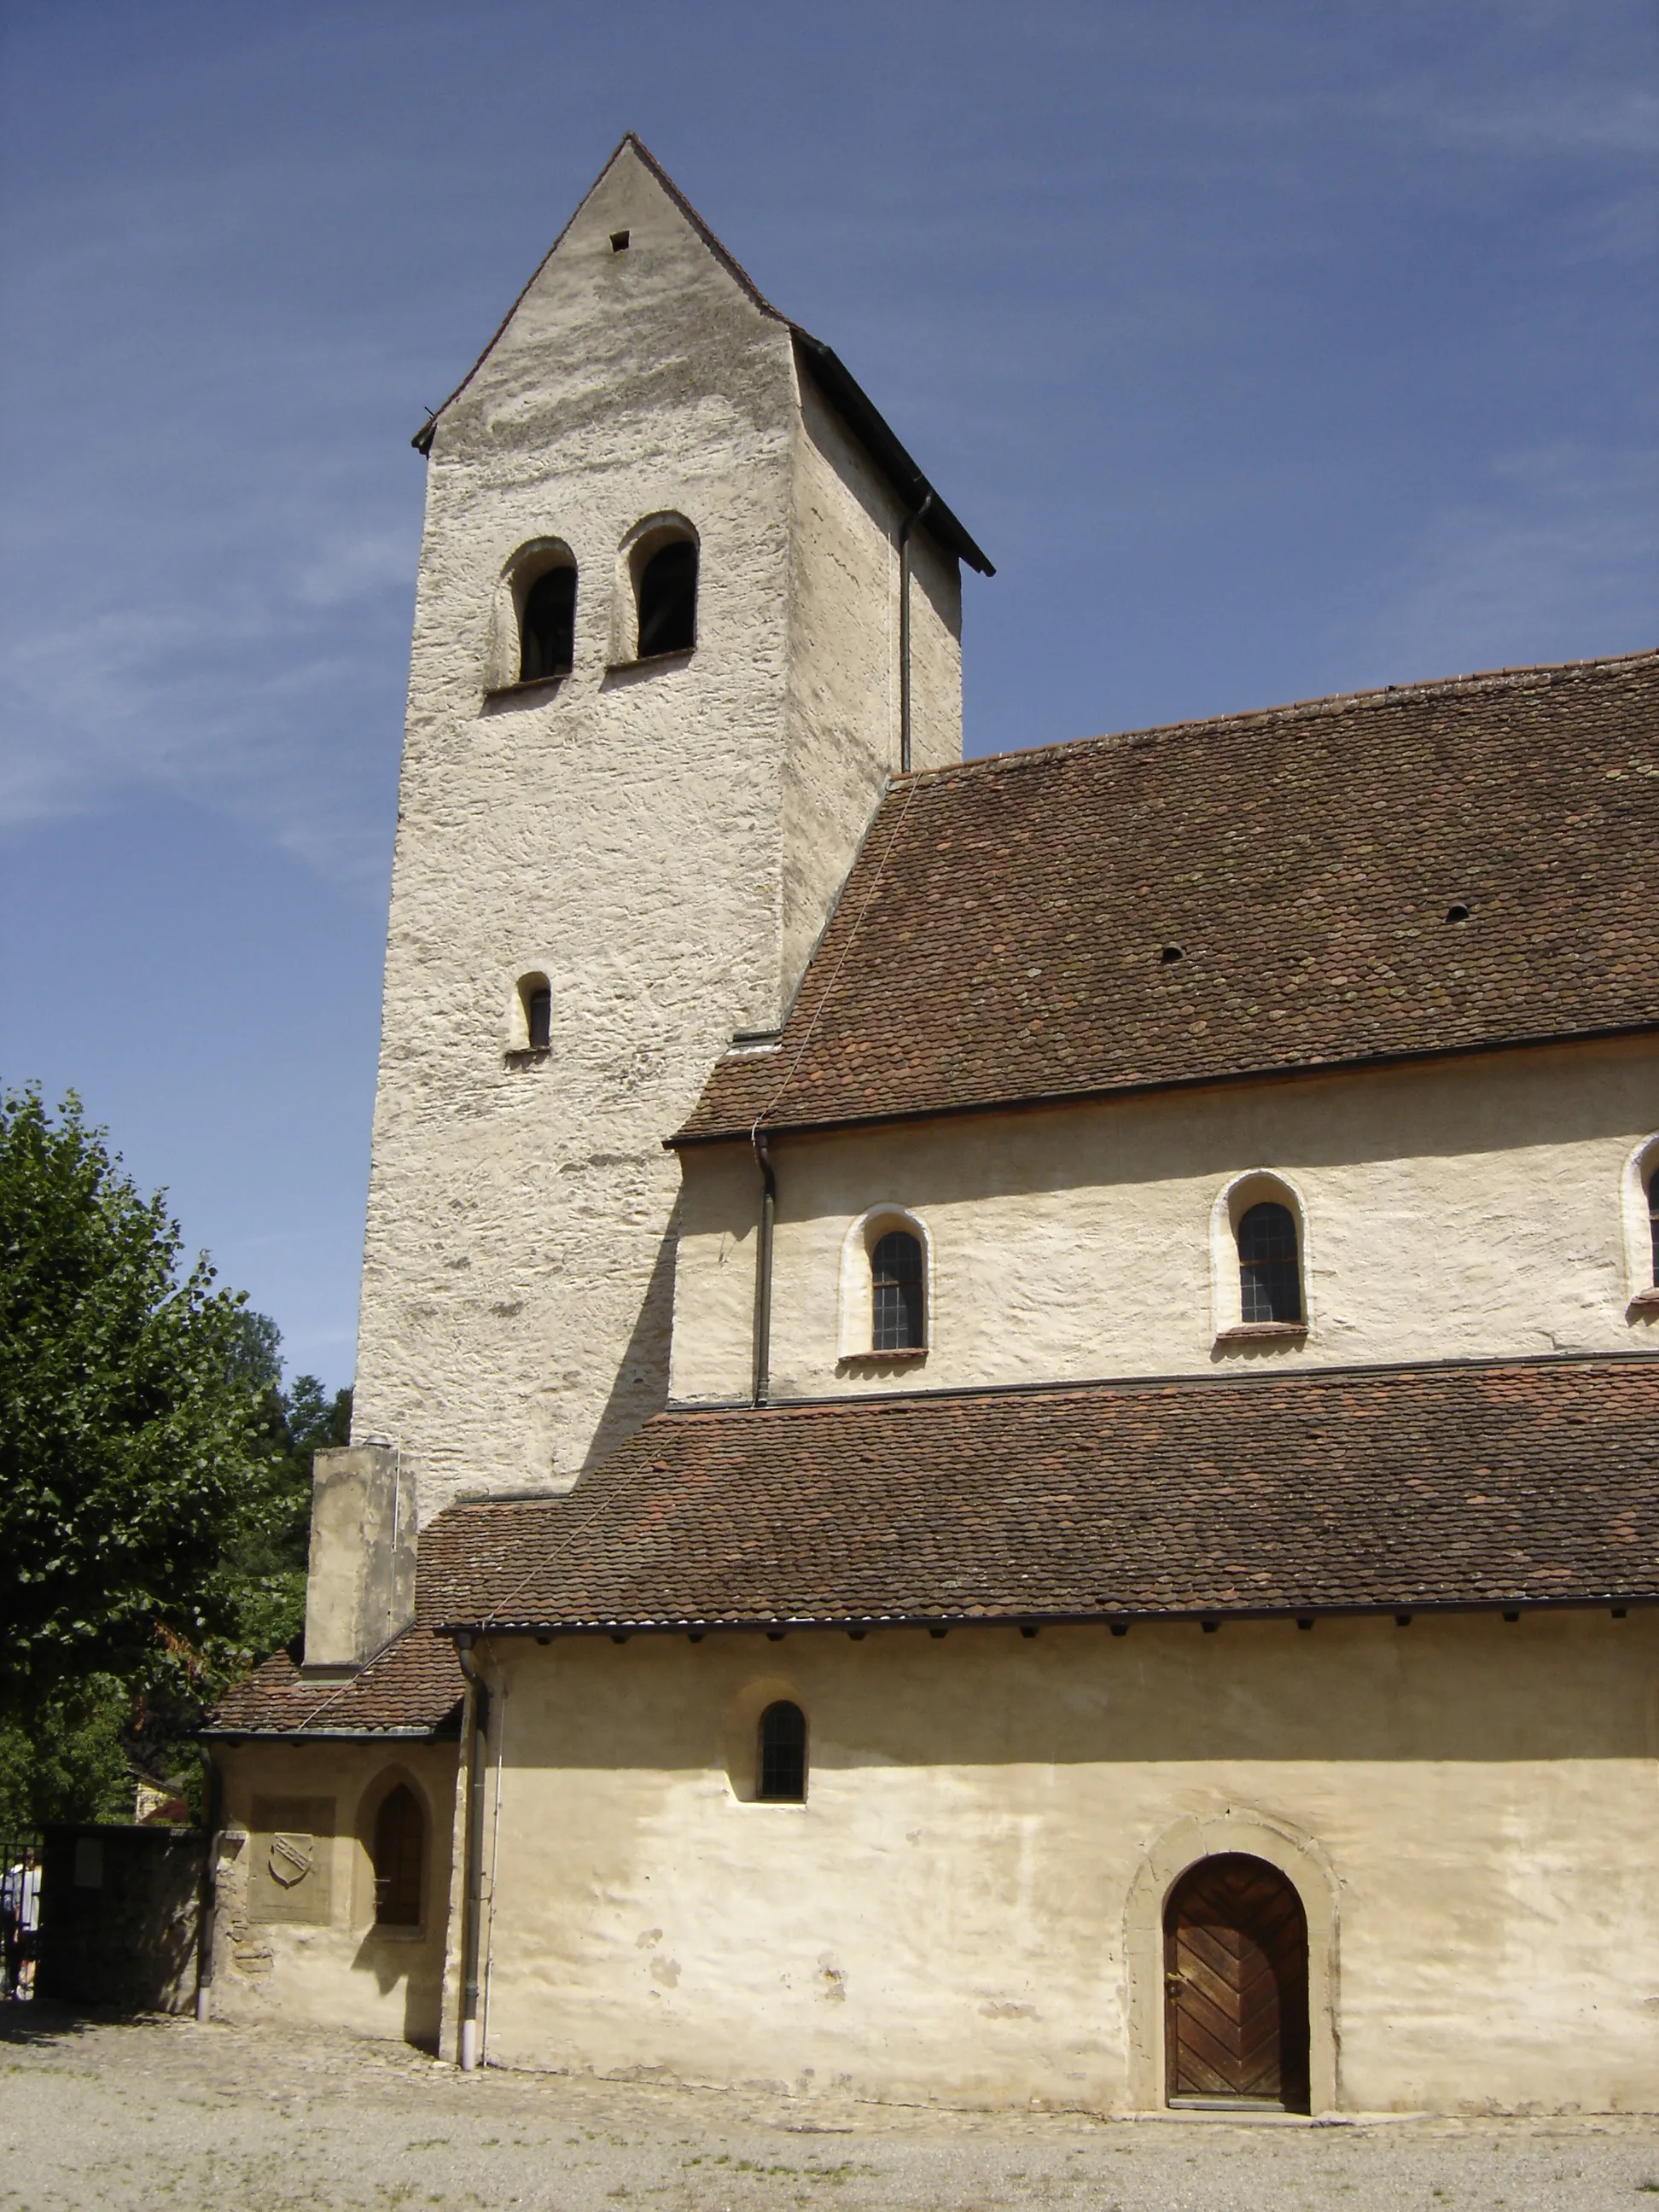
[1373, 696]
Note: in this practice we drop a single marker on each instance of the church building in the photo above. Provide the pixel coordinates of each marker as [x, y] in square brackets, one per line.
[1007, 1438]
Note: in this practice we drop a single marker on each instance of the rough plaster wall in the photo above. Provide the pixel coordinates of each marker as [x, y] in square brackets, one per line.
[945, 1917]
[935, 655]
[844, 665]
[1468, 1209]
[619, 832]
[349, 1974]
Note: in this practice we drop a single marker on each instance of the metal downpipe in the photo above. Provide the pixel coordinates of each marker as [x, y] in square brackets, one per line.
[762, 1374]
[472, 1887]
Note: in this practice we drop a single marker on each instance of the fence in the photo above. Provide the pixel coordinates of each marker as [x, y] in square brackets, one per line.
[119, 1913]
[19, 1917]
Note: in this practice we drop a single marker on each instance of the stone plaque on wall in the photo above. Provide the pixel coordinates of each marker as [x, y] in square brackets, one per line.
[292, 1843]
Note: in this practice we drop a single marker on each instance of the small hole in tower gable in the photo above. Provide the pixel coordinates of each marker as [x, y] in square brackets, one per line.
[1170, 954]
[619, 241]
[1458, 913]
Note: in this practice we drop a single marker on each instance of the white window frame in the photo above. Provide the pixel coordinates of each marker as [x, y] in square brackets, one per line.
[856, 1331]
[1232, 1202]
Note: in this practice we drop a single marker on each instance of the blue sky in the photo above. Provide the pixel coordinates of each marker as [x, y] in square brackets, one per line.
[1268, 351]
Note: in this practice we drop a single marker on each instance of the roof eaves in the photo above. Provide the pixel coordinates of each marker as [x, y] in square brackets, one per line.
[1022, 1616]
[441, 1731]
[866, 421]
[686, 1140]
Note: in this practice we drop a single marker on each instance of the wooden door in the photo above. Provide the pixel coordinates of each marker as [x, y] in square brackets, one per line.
[1236, 1978]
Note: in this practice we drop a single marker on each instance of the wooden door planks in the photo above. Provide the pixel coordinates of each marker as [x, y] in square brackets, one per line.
[1236, 1960]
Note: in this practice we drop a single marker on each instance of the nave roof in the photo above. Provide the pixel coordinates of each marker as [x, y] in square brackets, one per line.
[1404, 1489]
[1438, 868]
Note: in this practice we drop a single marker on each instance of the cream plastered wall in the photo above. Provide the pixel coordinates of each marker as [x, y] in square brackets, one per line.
[621, 832]
[1466, 1207]
[311, 1952]
[967, 1906]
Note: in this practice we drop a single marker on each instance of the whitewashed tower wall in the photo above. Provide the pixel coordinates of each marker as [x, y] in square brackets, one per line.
[662, 841]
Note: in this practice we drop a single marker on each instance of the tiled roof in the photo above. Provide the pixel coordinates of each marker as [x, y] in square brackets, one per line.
[1008, 930]
[414, 1685]
[1403, 1488]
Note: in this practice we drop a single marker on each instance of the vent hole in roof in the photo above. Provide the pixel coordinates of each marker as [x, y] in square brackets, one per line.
[1170, 954]
[1459, 913]
[619, 241]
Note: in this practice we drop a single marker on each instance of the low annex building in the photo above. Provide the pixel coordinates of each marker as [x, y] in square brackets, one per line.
[1007, 1430]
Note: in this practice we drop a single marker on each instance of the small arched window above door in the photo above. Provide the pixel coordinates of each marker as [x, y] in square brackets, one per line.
[1269, 1264]
[897, 1294]
[780, 1778]
[400, 1859]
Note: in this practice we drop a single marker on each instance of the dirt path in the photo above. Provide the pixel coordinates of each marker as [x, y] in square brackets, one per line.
[160, 2113]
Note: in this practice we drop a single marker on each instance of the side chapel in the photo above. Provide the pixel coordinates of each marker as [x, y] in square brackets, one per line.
[1007, 1426]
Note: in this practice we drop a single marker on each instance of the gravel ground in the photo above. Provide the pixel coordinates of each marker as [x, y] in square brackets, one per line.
[160, 2113]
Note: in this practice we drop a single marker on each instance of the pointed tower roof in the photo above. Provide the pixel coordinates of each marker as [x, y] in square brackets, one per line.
[836, 380]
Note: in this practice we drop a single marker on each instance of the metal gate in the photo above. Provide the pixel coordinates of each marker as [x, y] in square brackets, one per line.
[20, 1917]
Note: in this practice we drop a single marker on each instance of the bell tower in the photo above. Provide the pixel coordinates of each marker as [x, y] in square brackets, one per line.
[655, 694]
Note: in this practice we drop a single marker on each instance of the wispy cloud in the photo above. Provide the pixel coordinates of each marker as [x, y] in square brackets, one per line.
[1560, 557]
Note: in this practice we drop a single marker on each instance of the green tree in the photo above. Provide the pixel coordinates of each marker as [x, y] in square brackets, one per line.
[154, 1476]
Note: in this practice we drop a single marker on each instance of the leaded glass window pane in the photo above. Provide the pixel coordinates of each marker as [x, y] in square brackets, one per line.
[895, 1283]
[1269, 1276]
[782, 1777]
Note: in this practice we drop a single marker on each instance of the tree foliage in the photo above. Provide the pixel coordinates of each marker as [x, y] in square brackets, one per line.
[154, 1474]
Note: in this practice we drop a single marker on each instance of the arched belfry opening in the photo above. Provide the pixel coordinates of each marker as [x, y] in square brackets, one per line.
[1235, 1987]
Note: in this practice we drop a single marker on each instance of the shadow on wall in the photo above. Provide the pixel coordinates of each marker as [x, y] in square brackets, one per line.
[1323, 1121]
[394, 1956]
[1473, 1689]
[640, 1387]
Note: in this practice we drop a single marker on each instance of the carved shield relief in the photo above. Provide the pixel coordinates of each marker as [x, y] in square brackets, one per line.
[289, 1877]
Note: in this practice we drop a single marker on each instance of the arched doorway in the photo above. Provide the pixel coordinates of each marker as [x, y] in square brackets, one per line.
[1236, 1986]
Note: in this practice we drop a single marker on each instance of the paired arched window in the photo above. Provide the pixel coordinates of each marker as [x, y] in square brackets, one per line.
[897, 1293]
[1269, 1264]
[547, 625]
[667, 597]
[400, 1859]
[781, 1776]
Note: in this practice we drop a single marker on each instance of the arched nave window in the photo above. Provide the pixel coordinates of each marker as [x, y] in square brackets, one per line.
[1269, 1264]
[781, 1779]
[897, 1293]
